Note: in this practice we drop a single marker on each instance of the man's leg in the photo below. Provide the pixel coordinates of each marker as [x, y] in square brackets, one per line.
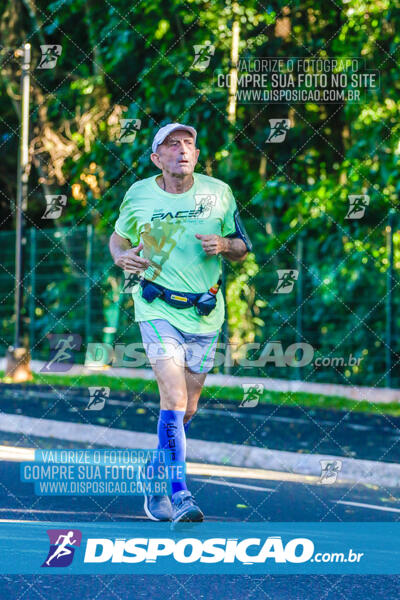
[199, 359]
[170, 375]
[194, 385]
[180, 386]
[164, 347]
[162, 344]
[173, 400]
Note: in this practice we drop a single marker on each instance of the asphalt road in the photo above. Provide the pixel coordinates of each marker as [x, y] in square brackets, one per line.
[221, 498]
[295, 429]
[200, 587]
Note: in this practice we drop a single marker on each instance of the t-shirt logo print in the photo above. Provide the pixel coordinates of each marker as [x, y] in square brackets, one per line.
[204, 204]
[159, 239]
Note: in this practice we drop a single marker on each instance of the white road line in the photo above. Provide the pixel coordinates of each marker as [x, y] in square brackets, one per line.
[238, 485]
[16, 453]
[57, 512]
[373, 506]
[18, 521]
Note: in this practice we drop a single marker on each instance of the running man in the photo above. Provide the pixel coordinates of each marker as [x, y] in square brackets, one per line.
[62, 543]
[62, 347]
[180, 311]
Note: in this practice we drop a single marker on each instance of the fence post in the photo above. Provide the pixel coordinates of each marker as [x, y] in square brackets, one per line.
[299, 295]
[389, 299]
[88, 282]
[32, 295]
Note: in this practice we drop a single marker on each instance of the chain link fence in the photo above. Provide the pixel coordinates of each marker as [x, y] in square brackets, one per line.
[72, 286]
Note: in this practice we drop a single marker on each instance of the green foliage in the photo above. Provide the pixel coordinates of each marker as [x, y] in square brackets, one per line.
[128, 60]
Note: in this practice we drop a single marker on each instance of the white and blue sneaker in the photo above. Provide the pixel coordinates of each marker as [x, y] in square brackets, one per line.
[184, 508]
[158, 508]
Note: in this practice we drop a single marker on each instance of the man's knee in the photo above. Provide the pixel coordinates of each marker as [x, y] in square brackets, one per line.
[173, 399]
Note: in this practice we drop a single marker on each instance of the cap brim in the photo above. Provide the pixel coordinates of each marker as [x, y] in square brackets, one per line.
[177, 128]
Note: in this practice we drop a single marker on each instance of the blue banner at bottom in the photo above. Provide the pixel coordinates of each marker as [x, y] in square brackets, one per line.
[50, 548]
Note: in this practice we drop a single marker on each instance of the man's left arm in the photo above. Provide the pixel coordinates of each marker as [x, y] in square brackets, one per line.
[231, 248]
[234, 243]
[234, 248]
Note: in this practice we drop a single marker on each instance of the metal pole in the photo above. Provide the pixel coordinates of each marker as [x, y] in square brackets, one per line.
[22, 192]
[299, 296]
[389, 299]
[32, 295]
[88, 282]
[231, 110]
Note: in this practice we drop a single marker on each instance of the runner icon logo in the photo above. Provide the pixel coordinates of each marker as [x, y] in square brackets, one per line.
[329, 471]
[131, 283]
[204, 204]
[287, 278]
[129, 129]
[279, 129]
[357, 206]
[251, 394]
[62, 347]
[62, 547]
[54, 206]
[98, 396]
[203, 54]
[50, 55]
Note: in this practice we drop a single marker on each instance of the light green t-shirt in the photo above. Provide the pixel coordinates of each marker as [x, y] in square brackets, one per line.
[166, 224]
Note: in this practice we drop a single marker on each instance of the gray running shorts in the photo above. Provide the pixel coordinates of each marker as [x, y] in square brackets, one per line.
[162, 340]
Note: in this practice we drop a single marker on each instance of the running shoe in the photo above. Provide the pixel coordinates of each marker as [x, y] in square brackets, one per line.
[184, 507]
[158, 508]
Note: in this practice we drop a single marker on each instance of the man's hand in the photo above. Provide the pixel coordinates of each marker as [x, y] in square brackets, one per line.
[231, 248]
[130, 260]
[213, 244]
[127, 257]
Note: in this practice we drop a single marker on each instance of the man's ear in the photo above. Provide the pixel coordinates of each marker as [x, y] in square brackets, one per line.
[197, 155]
[155, 159]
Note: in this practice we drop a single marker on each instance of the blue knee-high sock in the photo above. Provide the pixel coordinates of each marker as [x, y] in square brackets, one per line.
[171, 436]
[185, 427]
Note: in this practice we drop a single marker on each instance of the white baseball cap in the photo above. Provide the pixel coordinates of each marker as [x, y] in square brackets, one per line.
[166, 130]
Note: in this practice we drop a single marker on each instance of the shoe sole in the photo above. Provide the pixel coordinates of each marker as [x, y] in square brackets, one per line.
[149, 514]
[193, 515]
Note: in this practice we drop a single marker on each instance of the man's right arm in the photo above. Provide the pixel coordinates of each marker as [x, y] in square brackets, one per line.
[125, 256]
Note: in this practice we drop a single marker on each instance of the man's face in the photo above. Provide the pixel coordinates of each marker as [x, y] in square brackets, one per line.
[177, 155]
